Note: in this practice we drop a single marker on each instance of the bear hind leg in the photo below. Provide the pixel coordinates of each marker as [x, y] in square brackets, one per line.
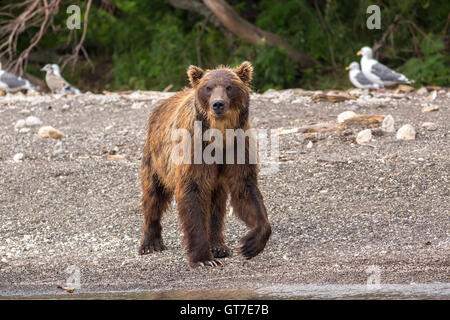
[155, 200]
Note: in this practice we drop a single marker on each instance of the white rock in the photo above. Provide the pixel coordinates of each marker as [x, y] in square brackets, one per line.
[430, 126]
[65, 107]
[364, 136]
[388, 124]
[345, 116]
[18, 157]
[24, 130]
[406, 132]
[50, 132]
[433, 95]
[422, 90]
[309, 145]
[32, 121]
[20, 124]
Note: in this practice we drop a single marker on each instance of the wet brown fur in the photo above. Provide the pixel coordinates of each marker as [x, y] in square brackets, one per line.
[201, 190]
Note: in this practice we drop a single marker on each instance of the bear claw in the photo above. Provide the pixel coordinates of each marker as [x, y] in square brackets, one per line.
[209, 263]
[149, 245]
[220, 251]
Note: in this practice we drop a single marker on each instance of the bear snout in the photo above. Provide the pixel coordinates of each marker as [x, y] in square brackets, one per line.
[219, 107]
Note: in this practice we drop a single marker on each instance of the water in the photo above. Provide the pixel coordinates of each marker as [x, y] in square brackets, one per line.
[437, 290]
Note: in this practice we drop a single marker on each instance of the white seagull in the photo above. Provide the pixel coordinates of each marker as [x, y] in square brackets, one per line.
[55, 82]
[12, 83]
[358, 79]
[378, 72]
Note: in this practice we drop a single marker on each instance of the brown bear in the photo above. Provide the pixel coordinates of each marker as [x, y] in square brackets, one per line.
[218, 99]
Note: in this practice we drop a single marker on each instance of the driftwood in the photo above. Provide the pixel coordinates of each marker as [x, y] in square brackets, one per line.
[366, 120]
[331, 97]
[60, 286]
[363, 120]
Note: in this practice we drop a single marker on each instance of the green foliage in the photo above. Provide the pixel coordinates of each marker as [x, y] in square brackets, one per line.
[432, 68]
[152, 44]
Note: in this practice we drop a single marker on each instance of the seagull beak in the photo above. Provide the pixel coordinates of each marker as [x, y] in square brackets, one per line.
[347, 68]
[358, 53]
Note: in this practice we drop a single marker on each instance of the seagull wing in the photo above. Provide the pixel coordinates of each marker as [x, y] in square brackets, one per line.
[386, 74]
[362, 79]
[12, 81]
[56, 83]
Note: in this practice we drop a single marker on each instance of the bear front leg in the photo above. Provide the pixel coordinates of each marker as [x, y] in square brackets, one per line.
[218, 211]
[248, 205]
[194, 216]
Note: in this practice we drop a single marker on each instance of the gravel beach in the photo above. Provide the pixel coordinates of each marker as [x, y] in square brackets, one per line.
[336, 207]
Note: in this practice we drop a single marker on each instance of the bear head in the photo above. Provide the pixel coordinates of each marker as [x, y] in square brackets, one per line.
[222, 93]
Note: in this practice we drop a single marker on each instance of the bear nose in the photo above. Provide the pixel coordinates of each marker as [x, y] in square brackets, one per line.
[218, 105]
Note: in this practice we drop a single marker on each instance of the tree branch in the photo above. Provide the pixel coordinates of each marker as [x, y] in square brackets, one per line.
[249, 32]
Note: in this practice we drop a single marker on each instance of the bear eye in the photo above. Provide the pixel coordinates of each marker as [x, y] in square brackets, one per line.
[229, 88]
[208, 89]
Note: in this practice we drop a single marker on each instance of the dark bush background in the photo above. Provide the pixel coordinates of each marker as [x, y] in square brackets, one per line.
[150, 44]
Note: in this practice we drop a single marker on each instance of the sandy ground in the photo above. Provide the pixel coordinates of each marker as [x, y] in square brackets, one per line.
[336, 208]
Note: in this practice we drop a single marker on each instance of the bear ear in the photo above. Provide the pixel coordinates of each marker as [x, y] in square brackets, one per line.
[245, 72]
[195, 74]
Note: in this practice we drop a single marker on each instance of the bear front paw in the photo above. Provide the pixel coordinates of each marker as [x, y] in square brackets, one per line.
[151, 244]
[253, 243]
[220, 251]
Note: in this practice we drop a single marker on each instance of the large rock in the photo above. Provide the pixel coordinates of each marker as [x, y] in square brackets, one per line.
[32, 121]
[388, 124]
[345, 116]
[50, 132]
[364, 136]
[407, 132]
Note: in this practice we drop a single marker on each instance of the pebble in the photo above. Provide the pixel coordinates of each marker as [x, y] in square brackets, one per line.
[345, 116]
[32, 121]
[24, 111]
[65, 107]
[430, 108]
[364, 136]
[50, 132]
[18, 157]
[388, 124]
[406, 132]
[309, 145]
[20, 124]
[24, 130]
[430, 126]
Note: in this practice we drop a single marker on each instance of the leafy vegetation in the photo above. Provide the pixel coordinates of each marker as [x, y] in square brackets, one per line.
[150, 46]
